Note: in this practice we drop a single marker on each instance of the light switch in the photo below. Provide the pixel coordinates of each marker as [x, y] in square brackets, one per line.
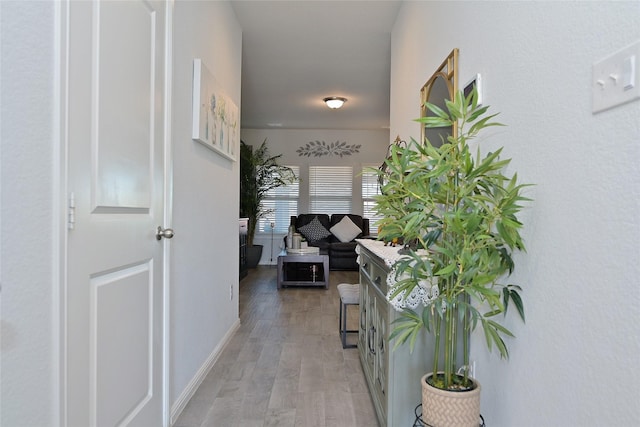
[615, 79]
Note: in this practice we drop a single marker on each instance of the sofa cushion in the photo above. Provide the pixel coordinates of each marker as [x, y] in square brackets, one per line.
[323, 245]
[345, 230]
[356, 219]
[304, 219]
[343, 249]
[314, 230]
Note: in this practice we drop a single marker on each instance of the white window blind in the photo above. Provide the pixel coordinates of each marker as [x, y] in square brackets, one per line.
[330, 189]
[281, 203]
[370, 188]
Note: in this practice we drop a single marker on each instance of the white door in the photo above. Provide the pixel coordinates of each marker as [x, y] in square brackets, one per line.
[114, 305]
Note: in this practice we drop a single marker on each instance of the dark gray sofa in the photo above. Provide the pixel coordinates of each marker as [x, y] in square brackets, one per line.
[342, 255]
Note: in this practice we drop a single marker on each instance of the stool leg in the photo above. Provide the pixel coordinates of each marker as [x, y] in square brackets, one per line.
[345, 330]
[343, 324]
[340, 321]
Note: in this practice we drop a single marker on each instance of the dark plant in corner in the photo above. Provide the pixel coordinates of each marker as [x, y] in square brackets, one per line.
[459, 211]
[259, 174]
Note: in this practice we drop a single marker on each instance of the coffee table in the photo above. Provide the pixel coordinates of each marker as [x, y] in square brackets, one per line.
[303, 270]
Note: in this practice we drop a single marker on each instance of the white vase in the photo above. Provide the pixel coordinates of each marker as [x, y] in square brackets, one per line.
[443, 408]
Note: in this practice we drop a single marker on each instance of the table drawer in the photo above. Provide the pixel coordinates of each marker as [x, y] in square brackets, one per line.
[375, 272]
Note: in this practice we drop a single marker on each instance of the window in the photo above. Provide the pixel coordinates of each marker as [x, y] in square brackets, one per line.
[370, 188]
[330, 189]
[282, 204]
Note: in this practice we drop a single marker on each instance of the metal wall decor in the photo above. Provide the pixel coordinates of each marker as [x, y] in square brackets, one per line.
[383, 167]
[321, 148]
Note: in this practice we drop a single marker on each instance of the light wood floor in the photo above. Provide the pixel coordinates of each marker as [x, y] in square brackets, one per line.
[285, 366]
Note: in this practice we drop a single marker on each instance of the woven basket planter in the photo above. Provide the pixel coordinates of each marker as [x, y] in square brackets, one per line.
[442, 408]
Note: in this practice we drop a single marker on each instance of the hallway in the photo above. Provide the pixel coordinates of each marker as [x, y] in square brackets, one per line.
[285, 365]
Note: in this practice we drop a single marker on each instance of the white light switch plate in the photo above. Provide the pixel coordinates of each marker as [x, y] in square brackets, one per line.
[616, 79]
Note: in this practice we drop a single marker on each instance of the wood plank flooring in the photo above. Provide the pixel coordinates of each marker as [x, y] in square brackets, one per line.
[285, 366]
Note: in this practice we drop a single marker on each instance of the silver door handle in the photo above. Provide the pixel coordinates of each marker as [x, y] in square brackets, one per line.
[167, 233]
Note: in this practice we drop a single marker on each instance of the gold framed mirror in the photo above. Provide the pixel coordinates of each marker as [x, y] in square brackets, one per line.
[442, 85]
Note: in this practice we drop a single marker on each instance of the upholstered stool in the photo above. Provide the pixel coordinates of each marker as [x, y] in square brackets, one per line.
[349, 295]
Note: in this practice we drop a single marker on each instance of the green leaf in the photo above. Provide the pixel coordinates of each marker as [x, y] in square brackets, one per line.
[426, 315]
[482, 124]
[477, 113]
[434, 122]
[437, 110]
[499, 342]
[446, 270]
[499, 327]
[455, 109]
[401, 336]
[517, 300]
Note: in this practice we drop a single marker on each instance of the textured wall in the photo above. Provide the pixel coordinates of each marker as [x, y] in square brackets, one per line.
[29, 288]
[575, 361]
[205, 196]
[372, 144]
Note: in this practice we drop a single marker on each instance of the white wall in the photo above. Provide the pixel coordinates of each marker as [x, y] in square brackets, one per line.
[205, 200]
[30, 180]
[373, 144]
[574, 362]
[373, 147]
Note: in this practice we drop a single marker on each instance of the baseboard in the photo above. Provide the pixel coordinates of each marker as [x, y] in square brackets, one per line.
[191, 388]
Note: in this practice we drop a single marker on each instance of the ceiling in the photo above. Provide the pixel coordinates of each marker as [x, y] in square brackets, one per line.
[295, 53]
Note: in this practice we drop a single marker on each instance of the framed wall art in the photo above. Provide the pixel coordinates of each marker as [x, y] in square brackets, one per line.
[216, 119]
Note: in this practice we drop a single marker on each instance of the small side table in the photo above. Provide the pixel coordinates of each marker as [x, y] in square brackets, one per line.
[303, 270]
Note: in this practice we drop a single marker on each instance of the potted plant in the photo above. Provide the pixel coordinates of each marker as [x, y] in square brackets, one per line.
[259, 174]
[456, 214]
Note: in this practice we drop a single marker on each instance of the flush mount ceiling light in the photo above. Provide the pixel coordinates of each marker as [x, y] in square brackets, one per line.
[334, 102]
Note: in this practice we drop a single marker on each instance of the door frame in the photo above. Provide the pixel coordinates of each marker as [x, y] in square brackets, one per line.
[168, 214]
[61, 215]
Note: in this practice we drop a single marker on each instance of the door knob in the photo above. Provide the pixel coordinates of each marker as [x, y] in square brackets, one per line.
[167, 233]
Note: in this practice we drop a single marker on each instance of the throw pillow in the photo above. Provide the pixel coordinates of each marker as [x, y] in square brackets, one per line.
[314, 230]
[345, 230]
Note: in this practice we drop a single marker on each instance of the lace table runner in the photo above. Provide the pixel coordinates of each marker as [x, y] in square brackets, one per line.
[424, 293]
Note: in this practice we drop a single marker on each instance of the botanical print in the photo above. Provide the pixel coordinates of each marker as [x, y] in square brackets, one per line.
[215, 121]
[321, 148]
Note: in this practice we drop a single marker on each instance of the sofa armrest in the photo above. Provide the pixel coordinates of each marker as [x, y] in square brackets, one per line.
[365, 227]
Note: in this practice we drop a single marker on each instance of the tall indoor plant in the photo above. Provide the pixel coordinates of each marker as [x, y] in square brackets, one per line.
[259, 174]
[456, 214]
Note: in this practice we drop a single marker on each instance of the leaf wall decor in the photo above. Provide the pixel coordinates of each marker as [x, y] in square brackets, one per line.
[321, 148]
